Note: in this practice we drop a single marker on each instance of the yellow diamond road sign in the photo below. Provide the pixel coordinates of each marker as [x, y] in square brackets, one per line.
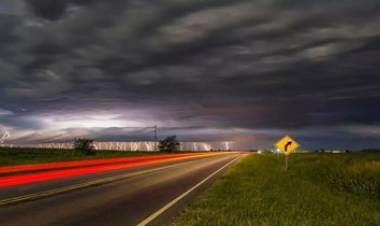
[287, 145]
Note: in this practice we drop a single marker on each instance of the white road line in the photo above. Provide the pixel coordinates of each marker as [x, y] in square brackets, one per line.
[179, 198]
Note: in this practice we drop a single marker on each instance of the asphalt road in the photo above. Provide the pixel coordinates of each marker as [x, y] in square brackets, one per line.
[150, 195]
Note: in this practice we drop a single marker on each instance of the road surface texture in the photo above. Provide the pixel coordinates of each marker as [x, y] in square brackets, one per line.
[150, 195]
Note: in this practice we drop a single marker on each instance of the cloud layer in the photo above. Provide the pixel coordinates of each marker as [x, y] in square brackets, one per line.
[215, 66]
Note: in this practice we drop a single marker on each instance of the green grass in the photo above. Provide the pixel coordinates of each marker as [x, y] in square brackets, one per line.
[16, 156]
[318, 189]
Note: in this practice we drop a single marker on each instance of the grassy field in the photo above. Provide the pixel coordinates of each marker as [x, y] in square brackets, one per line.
[318, 189]
[22, 156]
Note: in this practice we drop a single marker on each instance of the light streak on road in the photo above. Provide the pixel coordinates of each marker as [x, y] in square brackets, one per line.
[83, 163]
[13, 180]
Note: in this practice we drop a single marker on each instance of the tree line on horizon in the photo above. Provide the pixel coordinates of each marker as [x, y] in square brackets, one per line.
[86, 145]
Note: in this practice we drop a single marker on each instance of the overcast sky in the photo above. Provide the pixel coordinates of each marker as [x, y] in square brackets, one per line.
[221, 70]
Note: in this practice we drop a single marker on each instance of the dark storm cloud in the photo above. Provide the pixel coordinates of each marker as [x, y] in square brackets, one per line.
[53, 10]
[280, 65]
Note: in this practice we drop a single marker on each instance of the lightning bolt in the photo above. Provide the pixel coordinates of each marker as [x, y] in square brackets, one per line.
[4, 134]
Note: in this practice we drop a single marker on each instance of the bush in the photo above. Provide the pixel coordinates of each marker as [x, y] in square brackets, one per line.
[169, 144]
[84, 145]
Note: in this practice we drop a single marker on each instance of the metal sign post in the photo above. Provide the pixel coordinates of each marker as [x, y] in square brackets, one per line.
[286, 162]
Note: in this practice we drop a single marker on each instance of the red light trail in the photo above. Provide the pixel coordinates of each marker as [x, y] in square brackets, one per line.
[105, 165]
[80, 163]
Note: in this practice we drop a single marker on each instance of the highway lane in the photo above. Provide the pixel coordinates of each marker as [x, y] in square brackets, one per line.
[82, 168]
[127, 201]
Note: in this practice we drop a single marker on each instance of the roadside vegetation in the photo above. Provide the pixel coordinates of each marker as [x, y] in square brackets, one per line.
[318, 189]
[86, 146]
[169, 144]
[14, 156]
[83, 149]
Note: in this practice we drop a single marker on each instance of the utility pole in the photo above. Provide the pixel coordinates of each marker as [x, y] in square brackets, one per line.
[155, 138]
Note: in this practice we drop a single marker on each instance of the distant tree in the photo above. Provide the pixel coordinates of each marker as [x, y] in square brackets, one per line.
[84, 145]
[169, 144]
